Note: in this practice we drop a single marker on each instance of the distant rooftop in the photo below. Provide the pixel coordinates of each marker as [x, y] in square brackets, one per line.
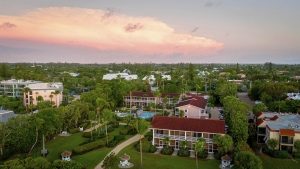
[284, 120]
[46, 86]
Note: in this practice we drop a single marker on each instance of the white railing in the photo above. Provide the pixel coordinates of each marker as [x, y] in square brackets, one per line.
[177, 137]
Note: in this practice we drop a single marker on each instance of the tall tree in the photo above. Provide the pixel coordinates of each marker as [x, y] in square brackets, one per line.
[246, 159]
[224, 143]
[56, 92]
[141, 126]
[37, 122]
[25, 91]
[101, 104]
[199, 146]
[107, 116]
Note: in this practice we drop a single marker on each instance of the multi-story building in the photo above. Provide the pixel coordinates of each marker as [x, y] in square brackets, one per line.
[284, 127]
[145, 98]
[46, 90]
[13, 88]
[193, 107]
[189, 129]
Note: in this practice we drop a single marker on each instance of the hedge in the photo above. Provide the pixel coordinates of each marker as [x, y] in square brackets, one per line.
[73, 130]
[184, 152]
[279, 154]
[95, 138]
[297, 154]
[125, 130]
[116, 140]
[92, 145]
[152, 149]
[167, 150]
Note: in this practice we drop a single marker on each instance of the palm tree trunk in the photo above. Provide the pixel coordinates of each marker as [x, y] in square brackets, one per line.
[197, 160]
[36, 139]
[141, 152]
[91, 131]
[106, 133]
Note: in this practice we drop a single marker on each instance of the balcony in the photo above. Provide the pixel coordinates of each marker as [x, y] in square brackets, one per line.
[177, 137]
[287, 141]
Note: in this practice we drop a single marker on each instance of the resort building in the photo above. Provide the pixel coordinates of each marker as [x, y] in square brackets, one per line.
[284, 127]
[190, 129]
[145, 98]
[193, 107]
[13, 88]
[292, 96]
[125, 76]
[48, 91]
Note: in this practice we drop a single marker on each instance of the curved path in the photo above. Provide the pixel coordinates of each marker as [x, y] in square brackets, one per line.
[119, 148]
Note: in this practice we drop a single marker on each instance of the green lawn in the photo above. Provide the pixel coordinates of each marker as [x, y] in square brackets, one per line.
[163, 161]
[274, 163]
[89, 160]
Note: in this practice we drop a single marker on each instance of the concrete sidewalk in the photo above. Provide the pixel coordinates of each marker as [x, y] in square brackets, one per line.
[95, 127]
[119, 148]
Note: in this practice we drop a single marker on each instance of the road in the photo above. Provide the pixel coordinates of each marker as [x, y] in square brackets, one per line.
[244, 97]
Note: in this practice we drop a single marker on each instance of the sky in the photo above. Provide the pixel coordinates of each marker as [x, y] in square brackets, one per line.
[138, 31]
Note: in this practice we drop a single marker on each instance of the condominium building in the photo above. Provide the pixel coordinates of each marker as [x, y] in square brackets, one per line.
[46, 90]
[284, 127]
[13, 88]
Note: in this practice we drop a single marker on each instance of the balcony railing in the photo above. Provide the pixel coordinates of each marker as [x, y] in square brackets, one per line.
[177, 137]
[285, 141]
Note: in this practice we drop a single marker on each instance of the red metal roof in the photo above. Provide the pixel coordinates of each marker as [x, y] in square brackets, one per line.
[189, 124]
[259, 114]
[259, 122]
[274, 118]
[169, 95]
[287, 132]
[194, 101]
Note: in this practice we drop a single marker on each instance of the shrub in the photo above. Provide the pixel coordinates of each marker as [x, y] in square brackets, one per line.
[85, 125]
[95, 138]
[88, 134]
[132, 132]
[201, 154]
[297, 154]
[119, 137]
[266, 149]
[73, 130]
[92, 145]
[152, 149]
[167, 150]
[279, 154]
[184, 152]
[125, 130]
[112, 143]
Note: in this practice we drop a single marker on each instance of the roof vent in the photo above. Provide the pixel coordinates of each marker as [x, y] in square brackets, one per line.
[290, 125]
[296, 126]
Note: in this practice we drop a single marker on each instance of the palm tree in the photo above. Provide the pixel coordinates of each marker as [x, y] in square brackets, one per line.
[166, 140]
[51, 96]
[38, 123]
[101, 104]
[184, 143]
[181, 113]
[107, 117]
[57, 92]
[25, 91]
[36, 95]
[141, 126]
[157, 95]
[199, 146]
[31, 107]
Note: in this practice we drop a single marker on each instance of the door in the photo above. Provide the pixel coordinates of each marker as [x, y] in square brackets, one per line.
[176, 144]
[161, 143]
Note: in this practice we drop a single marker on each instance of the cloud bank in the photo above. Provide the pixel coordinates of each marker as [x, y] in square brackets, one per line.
[104, 30]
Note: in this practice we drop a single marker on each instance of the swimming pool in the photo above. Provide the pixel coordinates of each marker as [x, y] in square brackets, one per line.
[146, 115]
[122, 114]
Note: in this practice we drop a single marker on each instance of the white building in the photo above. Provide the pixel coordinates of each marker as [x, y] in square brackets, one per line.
[44, 90]
[13, 87]
[125, 76]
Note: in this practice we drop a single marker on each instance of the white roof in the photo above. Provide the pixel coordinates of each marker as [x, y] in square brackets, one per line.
[150, 77]
[294, 96]
[168, 77]
[46, 86]
[123, 75]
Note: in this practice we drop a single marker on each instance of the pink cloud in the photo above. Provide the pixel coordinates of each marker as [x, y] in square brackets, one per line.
[105, 30]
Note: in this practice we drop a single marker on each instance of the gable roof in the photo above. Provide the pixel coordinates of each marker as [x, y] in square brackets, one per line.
[259, 122]
[274, 118]
[287, 132]
[259, 114]
[194, 101]
[189, 124]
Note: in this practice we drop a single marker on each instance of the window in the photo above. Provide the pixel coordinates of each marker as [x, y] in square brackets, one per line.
[197, 134]
[186, 111]
[44, 90]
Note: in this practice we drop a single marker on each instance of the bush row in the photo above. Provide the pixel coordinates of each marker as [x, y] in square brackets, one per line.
[95, 133]
[95, 138]
[73, 130]
[125, 130]
[275, 153]
[116, 140]
[92, 145]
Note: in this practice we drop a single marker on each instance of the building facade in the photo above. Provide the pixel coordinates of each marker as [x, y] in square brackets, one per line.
[193, 107]
[13, 88]
[189, 129]
[284, 127]
[48, 91]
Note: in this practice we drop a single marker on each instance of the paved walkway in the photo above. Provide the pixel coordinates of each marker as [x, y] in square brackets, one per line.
[119, 148]
[95, 127]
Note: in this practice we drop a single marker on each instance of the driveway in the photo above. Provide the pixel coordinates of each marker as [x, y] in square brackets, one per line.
[214, 113]
[244, 97]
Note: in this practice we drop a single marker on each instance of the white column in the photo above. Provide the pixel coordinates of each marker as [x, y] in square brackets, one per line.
[184, 135]
[153, 138]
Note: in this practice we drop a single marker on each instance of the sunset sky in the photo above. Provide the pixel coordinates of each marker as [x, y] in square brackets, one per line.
[168, 31]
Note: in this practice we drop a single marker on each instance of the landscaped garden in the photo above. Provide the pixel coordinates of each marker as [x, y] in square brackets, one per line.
[151, 160]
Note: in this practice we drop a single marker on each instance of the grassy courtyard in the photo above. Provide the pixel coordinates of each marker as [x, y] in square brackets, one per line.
[274, 163]
[151, 160]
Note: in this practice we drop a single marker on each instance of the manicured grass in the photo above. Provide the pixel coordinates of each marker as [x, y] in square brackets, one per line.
[58, 145]
[274, 163]
[151, 160]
